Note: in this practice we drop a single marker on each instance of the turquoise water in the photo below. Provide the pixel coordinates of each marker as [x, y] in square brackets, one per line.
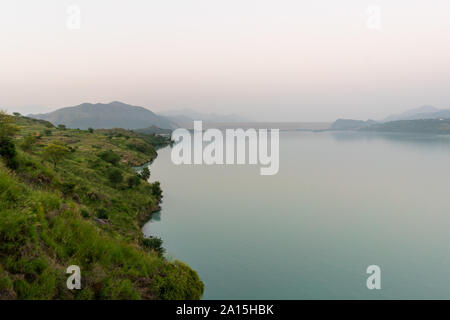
[340, 202]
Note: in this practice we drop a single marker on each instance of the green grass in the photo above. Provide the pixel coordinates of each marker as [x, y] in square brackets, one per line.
[51, 218]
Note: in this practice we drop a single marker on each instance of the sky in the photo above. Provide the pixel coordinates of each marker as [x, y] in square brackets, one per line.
[267, 60]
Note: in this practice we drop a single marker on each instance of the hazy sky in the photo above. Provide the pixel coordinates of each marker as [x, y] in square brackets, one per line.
[268, 60]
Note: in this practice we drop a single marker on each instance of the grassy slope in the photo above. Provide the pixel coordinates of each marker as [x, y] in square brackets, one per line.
[49, 219]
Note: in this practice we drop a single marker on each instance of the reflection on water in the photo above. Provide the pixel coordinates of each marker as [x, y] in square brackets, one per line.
[341, 201]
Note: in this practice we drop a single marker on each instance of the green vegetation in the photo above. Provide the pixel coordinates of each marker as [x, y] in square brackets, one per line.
[145, 174]
[62, 203]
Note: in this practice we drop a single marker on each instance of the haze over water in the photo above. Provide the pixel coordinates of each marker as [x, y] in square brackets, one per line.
[340, 202]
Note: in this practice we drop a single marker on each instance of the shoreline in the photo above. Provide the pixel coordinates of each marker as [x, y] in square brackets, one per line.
[142, 219]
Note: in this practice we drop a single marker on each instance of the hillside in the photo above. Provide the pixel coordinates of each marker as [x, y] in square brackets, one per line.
[434, 126]
[71, 197]
[106, 116]
[350, 124]
[424, 112]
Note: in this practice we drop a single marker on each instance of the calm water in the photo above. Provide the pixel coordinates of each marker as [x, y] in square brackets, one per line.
[340, 202]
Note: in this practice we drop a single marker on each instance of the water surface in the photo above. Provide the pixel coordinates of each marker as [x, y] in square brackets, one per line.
[340, 202]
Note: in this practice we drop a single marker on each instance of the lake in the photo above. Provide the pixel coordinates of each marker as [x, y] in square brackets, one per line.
[340, 202]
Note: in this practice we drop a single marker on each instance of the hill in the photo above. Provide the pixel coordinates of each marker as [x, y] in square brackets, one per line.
[434, 126]
[111, 115]
[424, 112]
[350, 124]
[71, 197]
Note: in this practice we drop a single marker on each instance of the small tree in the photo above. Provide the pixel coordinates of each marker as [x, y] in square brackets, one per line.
[7, 147]
[110, 156]
[7, 127]
[133, 181]
[156, 189]
[145, 174]
[55, 152]
[91, 130]
[28, 142]
[62, 127]
[115, 176]
[154, 243]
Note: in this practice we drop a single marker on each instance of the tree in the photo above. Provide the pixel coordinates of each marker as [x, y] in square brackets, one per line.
[133, 181]
[115, 175]
[7, 127]
[156, 189]
[145, 174]
[55, 152]
[154, 243]
[8, 152]
[7, 147]
[91, 130]
[28, 142]
[62, 127]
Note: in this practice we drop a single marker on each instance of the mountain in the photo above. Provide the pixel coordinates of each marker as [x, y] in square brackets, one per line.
[433, 126]
[423, 112]
[187, 115]
[105, 116]
[350, 124]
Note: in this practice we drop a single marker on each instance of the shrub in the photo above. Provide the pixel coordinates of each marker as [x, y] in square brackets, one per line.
[28, 142]
[68, 188]
[110, 156]
[145, 174]
[85, 213]
[102, 213]
[8, 152]
[153, 243]
[133, 181]
[114, 175]
[156, 189]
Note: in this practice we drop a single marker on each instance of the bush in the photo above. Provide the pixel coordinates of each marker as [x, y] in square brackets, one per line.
[102, 213]
[61, 127]
[48, 132]
[68, 188]
[153, 243]
[110, 156]
[28, 142]
[145, 174]
[8, 152]
[114, 175]
[133, 181]
[85, 213]
[91, 130]
[156, 189]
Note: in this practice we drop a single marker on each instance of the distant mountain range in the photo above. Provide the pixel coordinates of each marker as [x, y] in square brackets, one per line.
[121, 115]
[424, 112]
[350, 124]
[106, 116]
[425, 119]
